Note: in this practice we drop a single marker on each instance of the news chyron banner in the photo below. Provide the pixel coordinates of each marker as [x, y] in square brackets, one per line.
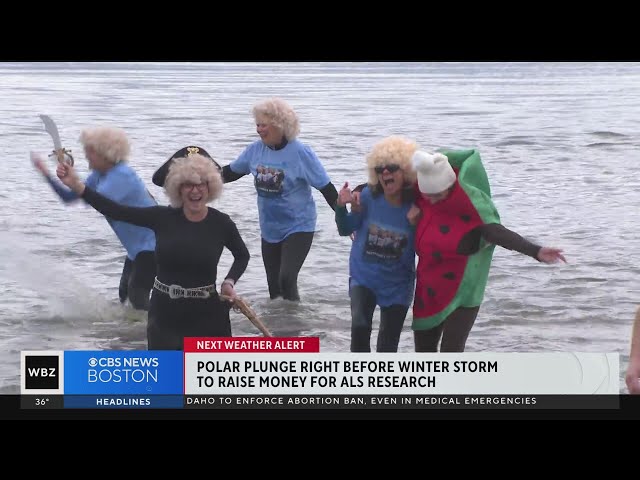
[292, 373]
[222, 374]
[102, 379]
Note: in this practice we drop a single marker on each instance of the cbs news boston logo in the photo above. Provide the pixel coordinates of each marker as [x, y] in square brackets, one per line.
[102, 372]
[123, 372]
[127, 369]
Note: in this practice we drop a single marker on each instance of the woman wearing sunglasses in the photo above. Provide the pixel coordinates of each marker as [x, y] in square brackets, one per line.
[382, 260]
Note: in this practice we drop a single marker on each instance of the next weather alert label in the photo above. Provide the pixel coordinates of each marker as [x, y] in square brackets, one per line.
[123, 372]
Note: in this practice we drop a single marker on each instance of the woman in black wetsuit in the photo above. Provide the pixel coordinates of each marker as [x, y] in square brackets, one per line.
[190, 238]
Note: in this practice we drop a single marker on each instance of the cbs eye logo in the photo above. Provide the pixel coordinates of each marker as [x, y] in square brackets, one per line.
[93, 362]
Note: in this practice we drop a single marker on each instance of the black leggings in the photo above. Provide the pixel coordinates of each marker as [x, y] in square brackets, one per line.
[282, 263]
[454, 331]
[363, 304]
[137, 279]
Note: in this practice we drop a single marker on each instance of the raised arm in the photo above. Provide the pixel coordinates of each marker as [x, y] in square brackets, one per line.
[63, 192]
[149, 217]
[66, 195]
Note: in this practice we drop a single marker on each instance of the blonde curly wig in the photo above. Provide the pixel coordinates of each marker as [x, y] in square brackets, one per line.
[109, 142]
[280, 115]
[193, 168]
[393, 149]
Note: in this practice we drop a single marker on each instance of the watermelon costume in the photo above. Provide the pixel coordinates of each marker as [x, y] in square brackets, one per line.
[445, 279]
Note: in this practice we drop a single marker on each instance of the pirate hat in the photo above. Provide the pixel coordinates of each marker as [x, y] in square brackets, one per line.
[160, 174]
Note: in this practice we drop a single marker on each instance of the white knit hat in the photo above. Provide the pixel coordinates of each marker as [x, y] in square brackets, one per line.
[435, 174]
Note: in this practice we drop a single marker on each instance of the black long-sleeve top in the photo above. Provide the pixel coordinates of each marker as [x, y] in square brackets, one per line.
[187, 253]
[498, 235]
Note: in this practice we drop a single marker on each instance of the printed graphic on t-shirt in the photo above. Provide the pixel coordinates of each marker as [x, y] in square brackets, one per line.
[384, 243]
[269, 180]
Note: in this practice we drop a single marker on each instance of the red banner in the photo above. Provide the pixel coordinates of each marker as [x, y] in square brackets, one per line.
[252, 344]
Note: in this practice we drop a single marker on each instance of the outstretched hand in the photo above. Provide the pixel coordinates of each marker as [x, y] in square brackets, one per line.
[39, 162]
[551, 255]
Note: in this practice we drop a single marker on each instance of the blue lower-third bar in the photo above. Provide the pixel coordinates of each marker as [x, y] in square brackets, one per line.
[123, 401]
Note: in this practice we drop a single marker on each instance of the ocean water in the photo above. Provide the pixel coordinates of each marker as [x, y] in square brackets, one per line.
[559, 141]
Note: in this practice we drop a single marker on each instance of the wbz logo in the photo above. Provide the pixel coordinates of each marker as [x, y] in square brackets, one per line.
[42, 372]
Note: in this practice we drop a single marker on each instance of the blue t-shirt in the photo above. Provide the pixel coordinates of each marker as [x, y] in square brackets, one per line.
[383, 251]
[283, 180]
[122, 185]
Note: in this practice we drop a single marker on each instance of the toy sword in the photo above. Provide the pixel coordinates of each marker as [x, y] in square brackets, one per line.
[63, 155]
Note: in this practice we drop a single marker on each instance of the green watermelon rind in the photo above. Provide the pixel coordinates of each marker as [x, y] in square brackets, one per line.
[471, 289]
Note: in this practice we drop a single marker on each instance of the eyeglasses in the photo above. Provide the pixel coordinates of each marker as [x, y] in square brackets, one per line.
[391, 168]
[191, 186]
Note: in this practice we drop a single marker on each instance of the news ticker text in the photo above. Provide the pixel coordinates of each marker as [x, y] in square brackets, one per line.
[293, 402]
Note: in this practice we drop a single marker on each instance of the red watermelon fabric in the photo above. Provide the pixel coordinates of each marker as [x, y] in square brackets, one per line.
[446, 280]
